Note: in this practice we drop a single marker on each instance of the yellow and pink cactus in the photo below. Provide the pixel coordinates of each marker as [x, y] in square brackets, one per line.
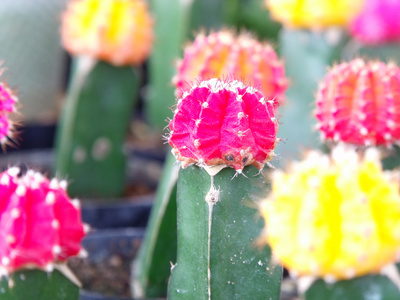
[39, 224]
[334, 217]
[312, 14]
[226, 55]
[117, 31]
[224, 122]
[359, 103]
[8, 102]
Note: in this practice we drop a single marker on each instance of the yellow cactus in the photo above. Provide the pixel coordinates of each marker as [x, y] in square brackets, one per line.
[117, 31]
[334, 217]
[314, 14]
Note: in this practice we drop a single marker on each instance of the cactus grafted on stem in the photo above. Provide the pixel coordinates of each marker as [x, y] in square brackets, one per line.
[314, 14]
[117, 31]
[242, 57]
[40, 228]
[359, 103]
[335, 217]
[219, 124]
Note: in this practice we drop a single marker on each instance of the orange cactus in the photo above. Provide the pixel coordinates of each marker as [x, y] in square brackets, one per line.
[222, 54]
[117, 31]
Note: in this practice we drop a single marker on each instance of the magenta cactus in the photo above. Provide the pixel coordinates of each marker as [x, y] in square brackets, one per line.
[359, 103]
[223, 122]
[39, 225]
[7, 106]
[378, 22]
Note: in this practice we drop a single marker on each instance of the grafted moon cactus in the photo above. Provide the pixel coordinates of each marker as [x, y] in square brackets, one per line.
[39, 225]
[359, 103]
[334, 217]
[226, 55]
[8, 101]
[314, 14]
[224, 122]
[117, 31]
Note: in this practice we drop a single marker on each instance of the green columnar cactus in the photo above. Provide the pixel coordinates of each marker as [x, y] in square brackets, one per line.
[40, 229]
[93, 128]
[107, 38]
[151, 268]
[224, 128]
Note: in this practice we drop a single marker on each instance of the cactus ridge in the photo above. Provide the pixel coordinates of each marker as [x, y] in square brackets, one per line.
[221, 122]
[359, 103]
[242, 57]
[39, 224]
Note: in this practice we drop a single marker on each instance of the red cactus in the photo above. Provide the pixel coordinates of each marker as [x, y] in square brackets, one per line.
[7, 106]
[39, 224]
[224, 122]
[242, 57]
[359, 103]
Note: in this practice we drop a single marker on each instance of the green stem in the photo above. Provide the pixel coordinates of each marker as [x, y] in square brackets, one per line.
[218, 228]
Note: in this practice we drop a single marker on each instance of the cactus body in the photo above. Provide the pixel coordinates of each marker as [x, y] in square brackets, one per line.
[358, 103]
[93, 128]
[314, 14]
[119, 32]
[7, 106]
[38, 284]
[224, 55]
[334, 218]
[217, 253]
[40, 225]
[378, 22]
[221, 122]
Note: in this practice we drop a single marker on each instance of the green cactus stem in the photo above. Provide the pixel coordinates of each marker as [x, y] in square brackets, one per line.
[218, 227]
[93, 128]
[307, 56]
[38, 284]
[151, 268]
[368, 287]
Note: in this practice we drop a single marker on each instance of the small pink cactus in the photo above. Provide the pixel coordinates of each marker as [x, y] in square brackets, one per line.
[39, 224]
[359, 103]
[7, 106]
[224, 122]
[226, 55]
[378, 22]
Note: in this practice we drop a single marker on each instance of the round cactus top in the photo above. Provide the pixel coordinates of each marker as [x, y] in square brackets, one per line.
[378, 22]
[358, 103]
[224, 54]
[223, 122]
[7, 106]
[117, 31]
[334, 217]
[39, 224]
[314, 14]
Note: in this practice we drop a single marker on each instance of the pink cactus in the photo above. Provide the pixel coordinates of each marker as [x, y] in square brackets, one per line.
[378, 23]
[223, 122]
[226, 55]
[359, 103]
[39, 224]
[7, 106]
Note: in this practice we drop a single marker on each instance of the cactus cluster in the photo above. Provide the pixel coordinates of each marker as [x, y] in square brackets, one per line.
[223, 122]
[334, 217]
[8, 101]
[224, 54]
[116, 31]
[358, 103]
[39, 225]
